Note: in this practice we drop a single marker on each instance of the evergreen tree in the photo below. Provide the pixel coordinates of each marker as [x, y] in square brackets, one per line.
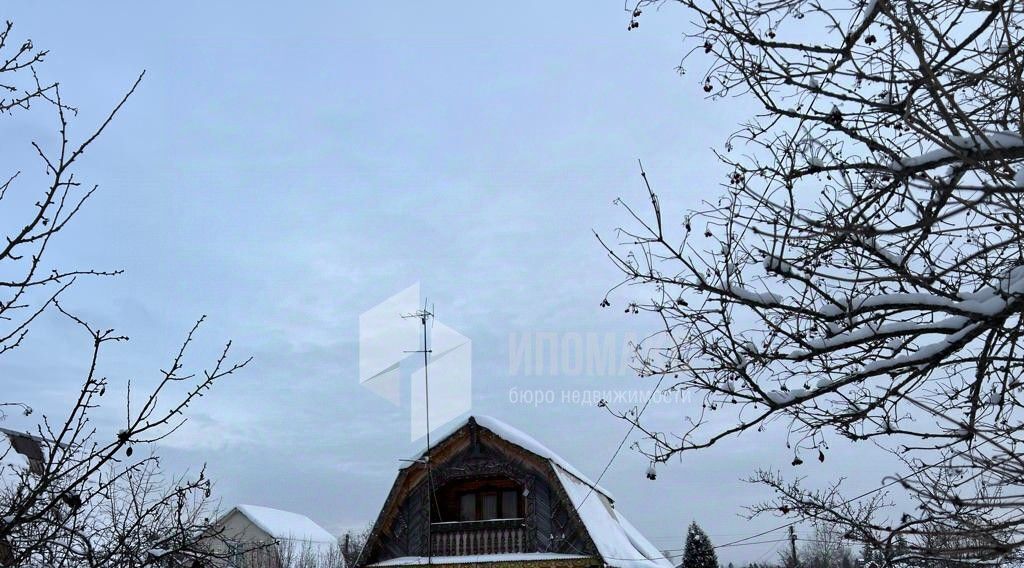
[700, 553]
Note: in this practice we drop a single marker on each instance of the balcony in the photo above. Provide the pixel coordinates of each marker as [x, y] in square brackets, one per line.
[466, 538]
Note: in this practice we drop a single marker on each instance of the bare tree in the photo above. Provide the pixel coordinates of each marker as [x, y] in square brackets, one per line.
[306, 554]
[861, 274]
[85, 497]
[353, 541]
[826, 548]
[287, 554]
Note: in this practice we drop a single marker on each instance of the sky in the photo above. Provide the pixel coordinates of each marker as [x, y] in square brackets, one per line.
[284, 168]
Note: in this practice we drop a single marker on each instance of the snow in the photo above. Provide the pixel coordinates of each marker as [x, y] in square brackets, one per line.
[13, 465]
[744, 293]
[1018, 178]
[285, 525]
[617, 540]
[786, 396]
[993, 398]
[515, 436]
[779, 397]
[989, 141]
[974, 307]
[922, 355]
[779, 266]
[515, 557]
[872, 243]
[869, 10]
[10, 460]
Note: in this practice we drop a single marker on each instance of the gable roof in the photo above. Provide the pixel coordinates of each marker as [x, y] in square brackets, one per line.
[517, 437]
[23, 450]
[284, 525]
[618, 542]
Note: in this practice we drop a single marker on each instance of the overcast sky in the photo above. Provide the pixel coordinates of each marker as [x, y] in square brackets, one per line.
[284, 168]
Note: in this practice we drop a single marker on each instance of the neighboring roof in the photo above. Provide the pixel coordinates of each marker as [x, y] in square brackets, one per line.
[285, 525]
[22, 450]
[480, 558]
[617, 540]
[519, 438]
[9, 456]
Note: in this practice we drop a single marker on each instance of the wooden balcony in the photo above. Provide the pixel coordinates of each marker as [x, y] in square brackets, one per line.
[501, 536]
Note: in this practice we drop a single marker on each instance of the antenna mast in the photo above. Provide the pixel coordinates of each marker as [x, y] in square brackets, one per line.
[423, 315]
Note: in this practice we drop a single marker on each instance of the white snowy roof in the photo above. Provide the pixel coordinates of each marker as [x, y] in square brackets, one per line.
[620, 544]
[521, 439]
[617, 540]
[286, 525]
[12, 463]
[471, 559]
[8, 457]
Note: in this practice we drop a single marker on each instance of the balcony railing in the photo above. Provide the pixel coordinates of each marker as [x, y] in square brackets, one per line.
[501, 536]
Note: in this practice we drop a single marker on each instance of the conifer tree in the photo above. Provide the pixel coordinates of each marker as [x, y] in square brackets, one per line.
[699, 553]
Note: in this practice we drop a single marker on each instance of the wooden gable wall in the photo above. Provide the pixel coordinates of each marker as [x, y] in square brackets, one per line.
[552, 524]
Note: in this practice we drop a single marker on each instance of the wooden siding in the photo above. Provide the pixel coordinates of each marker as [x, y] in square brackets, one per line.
[548, 523]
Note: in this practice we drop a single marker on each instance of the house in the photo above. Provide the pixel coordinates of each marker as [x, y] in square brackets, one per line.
[251, 536]
[495, 497]
[21, 451]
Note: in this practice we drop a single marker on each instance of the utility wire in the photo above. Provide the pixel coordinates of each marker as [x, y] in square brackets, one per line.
[746, 541]
[890, 483]
[632, 426]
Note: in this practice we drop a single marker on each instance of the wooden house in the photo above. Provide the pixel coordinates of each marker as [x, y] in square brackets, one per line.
[495, 497]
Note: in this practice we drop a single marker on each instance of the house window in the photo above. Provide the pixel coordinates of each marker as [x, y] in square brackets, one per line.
[479, 500]
[510, 504]
[467, 507]
[488, 506]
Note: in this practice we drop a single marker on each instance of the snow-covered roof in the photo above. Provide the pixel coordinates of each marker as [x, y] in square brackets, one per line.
[619, 543]
[515, 436]
[9, 458]
[617, 540]
[15, 448]
[471, 559]
[285, 525]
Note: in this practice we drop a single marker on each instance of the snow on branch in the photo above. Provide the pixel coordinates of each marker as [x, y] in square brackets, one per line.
[866, 240]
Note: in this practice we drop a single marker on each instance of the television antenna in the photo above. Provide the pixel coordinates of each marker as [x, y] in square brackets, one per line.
[425, 315]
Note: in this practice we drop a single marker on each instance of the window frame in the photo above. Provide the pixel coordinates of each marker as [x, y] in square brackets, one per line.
[451, 505]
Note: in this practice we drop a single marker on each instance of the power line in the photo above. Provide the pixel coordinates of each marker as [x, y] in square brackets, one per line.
[746, 541]
[890, 483]
[632, 426]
